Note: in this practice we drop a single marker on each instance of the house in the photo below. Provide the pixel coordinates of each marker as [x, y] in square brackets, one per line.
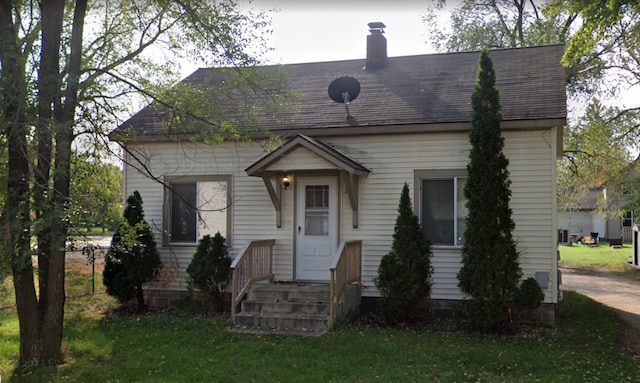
[587, 218]
[582, 220]
[333, 187]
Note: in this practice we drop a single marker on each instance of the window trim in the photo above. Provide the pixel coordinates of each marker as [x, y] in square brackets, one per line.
[434, 174]
[166, 210]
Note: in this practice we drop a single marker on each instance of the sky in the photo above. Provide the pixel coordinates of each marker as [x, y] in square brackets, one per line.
[326, 30]
[312, 31]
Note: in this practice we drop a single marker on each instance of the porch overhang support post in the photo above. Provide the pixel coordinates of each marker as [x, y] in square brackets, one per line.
[276, 196]
[351, 183]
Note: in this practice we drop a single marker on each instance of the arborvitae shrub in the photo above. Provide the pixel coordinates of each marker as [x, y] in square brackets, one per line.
[404, 274]
[529, 296]
[133, 258]
[209, 270]
[490, 270]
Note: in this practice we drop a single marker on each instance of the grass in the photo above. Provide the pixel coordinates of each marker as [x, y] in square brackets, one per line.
[174, 346]
[599, 258]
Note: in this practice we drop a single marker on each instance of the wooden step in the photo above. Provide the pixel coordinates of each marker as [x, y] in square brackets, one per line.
[285, 308]
[291, 292]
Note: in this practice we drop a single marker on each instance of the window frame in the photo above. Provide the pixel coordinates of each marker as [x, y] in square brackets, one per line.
[436, 174]
[167, 211]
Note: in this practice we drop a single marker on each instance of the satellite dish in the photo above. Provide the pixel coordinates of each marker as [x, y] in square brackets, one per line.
[343, 90]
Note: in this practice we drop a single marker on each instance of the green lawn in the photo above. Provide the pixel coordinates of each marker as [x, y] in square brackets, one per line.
[601, 255]
[602, 258]
[177, 347]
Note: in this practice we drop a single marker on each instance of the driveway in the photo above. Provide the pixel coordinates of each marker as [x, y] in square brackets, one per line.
[608, 289]
[622, 295]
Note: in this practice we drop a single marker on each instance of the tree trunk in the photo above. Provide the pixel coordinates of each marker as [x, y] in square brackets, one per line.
[31, 349]
[17, 208]
[48, 92]
[50, 248]
[140, 297]
[41, 320]
[64, 114]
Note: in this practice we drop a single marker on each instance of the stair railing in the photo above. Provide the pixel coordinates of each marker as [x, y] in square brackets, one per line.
[254, 263]
[346, 269]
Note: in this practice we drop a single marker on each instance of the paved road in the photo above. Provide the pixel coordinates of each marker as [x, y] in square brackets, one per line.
[102, 241]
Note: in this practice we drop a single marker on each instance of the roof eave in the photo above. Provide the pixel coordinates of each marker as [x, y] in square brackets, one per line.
[335, 131]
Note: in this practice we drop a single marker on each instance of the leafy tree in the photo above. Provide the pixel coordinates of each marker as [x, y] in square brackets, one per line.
[601, 146]
[594, 156]
[404, 274]
[62, 84]
[602, 57]
[607, 38]
[209, 270]
[96, 192]
[132, 259]
[490, 270]
[496, 23]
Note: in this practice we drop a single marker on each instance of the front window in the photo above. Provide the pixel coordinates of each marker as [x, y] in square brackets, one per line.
[627, 220]
[443, 211]
[196, 207]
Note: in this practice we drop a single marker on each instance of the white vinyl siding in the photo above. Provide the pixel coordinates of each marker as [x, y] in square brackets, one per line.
[301, 159]
[252, 213]
[392, 160]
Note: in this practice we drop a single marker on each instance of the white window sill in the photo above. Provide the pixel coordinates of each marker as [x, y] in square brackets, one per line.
[447, 247]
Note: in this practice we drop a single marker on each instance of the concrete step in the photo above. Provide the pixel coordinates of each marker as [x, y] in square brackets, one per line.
[282, 321]
[290, 292]
[293, 307]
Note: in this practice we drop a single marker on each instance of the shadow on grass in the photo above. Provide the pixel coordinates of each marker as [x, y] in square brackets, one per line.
[177, 347]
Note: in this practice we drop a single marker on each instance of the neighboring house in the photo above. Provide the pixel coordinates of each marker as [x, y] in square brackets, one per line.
[344, 176]
[583, 220]
[588, 218]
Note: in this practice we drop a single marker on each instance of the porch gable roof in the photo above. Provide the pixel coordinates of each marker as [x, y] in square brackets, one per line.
[321, 149]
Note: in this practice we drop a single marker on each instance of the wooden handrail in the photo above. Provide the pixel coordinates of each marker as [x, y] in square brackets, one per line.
[346, 269]
[254, 263]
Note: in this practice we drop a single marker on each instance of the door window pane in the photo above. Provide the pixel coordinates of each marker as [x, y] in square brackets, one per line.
[316, 210]
[317, 196]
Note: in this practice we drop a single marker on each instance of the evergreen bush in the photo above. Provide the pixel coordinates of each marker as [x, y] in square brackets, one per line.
[529, 296]
[490, 269]
[404, 274]
[209, 270]
[132, 259]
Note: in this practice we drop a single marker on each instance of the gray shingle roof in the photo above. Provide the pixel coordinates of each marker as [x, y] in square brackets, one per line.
[424, 89]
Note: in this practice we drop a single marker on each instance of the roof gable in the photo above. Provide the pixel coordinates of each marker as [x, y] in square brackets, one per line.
[327, 153]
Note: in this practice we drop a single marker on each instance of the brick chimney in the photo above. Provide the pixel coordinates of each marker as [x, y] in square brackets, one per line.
[376, 46]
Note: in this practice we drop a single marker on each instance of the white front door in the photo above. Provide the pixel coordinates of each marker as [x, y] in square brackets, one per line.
[317, 227]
